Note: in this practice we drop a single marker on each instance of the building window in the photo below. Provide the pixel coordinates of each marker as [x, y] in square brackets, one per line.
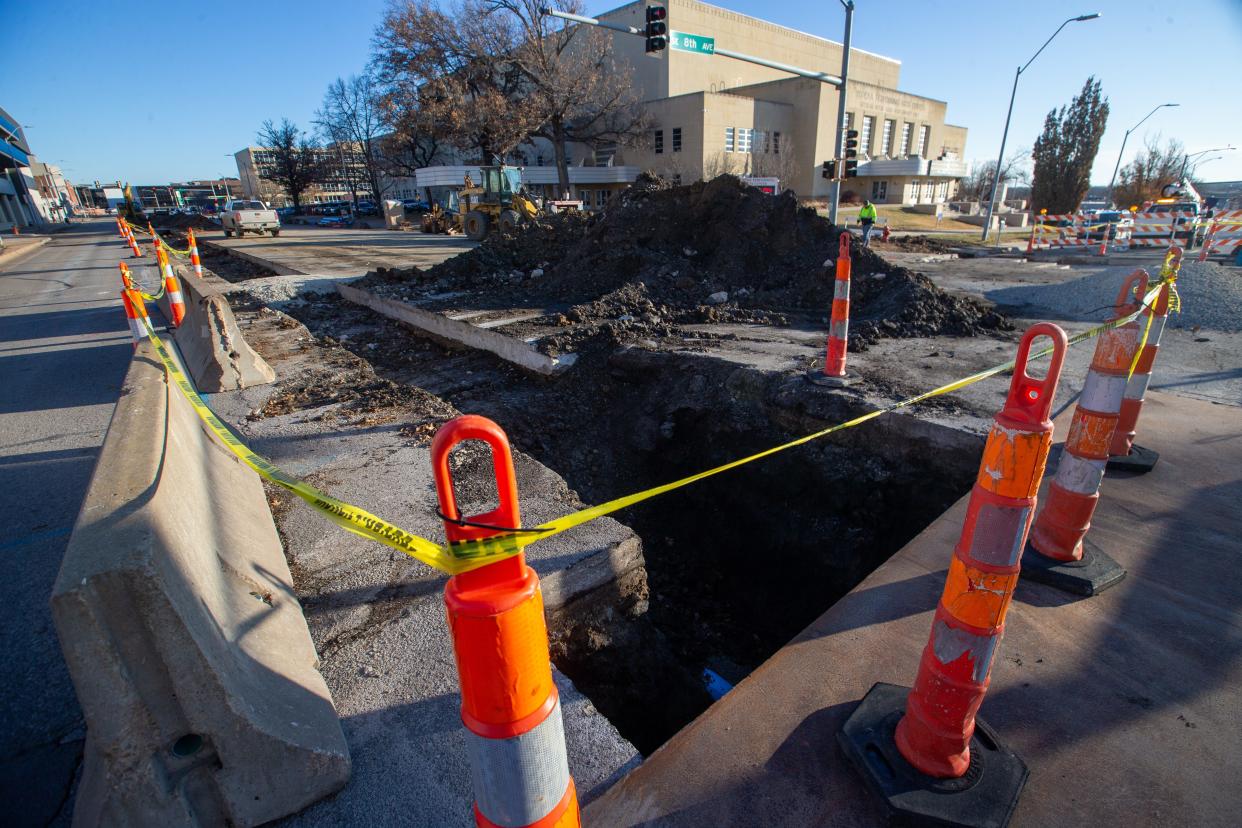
[879, 190]
[907, 129]
[776, 143]
[864, 137]
[728, 139]
[745, 139]
[601, 196]
[886, 140]
[676, 139]
[924, 137]
[659, 142]
[585, 197]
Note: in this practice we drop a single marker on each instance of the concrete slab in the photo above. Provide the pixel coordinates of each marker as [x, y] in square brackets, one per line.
[466, 329]
[1125, 706]
[340, 252]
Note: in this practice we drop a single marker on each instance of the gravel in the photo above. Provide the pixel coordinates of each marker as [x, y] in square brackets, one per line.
[1211, 297]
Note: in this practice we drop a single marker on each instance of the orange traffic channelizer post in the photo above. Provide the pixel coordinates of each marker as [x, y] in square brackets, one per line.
[135, 312]
[195, 261]
[175, 301]
[922, 750]
[1124, 454]
[1059, 553]
[509, 703]
[834, 374]
[133, 244]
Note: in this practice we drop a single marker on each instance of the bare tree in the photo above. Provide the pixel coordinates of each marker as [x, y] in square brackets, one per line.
[351, 116]
[582, 93]
[452, 66]
[723, 163]
[296, 164]
[1145, 178]
[776, 158]
[978, 184]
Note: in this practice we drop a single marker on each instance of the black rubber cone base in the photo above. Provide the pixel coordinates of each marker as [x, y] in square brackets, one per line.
[1140, 460]
[1096, 572]
[984, 797]
[820, 378]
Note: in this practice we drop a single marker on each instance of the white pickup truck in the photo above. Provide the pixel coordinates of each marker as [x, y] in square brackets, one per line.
[244, 216]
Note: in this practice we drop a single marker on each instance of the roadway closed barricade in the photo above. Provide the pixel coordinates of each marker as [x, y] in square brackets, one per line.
[185, 641]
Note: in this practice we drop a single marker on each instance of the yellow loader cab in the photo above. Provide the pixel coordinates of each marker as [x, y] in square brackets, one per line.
[497, 202]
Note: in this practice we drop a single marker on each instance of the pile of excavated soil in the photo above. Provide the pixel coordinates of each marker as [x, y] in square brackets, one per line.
[704, 252]
[181, 222]
[911, 244]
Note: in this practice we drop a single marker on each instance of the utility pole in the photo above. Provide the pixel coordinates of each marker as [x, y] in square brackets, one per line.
[845, 73]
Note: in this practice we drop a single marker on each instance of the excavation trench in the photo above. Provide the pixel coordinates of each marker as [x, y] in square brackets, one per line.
[735, 565]
[738, 564]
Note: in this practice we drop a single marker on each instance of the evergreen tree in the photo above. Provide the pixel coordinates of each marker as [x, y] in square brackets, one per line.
[1066, 150]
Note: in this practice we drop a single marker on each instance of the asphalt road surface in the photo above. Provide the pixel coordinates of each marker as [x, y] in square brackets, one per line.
[64, 350]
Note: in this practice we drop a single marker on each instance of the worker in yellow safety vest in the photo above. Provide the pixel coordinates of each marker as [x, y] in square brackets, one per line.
[866, 217]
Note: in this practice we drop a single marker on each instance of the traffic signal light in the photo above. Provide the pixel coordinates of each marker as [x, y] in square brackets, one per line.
[657, 29]
[851, 154]
[829, 170]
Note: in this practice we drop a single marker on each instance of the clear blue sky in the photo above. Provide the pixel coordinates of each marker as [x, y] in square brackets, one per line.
[156, 92]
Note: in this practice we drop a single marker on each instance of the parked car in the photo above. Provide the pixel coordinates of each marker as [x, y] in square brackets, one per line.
[366, 208]
[334, 221]
[414, 205]
[1106, 222]
[242, 216]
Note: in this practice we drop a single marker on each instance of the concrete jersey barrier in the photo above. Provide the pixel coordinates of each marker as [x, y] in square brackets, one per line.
[215, 352]
[185, 641]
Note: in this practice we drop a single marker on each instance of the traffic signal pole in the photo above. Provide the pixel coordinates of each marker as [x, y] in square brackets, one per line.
[845, 74]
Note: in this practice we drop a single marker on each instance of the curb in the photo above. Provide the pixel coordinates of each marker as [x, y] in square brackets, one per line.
[10, 256]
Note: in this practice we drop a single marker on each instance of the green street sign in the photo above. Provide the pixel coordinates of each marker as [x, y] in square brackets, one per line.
[692, 43]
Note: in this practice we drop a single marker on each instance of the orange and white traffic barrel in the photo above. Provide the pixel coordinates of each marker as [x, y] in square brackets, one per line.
[195, 262]
[834, 374]
[908, 741]
[135, 314]
[509, 703]
[176, 303]
[1058, 534]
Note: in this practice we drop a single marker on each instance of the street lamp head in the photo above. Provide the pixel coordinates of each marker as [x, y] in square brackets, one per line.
[1083, 17]
[1170, 104]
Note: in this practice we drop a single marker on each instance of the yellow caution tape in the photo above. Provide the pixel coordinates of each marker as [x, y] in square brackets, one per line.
[352, 518]
[467, 555]
[183, 254]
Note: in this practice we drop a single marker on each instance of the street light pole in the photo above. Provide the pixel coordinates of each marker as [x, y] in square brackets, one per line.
[1000, 161]
[1186, 159]
[845, 73]
[1117, 167]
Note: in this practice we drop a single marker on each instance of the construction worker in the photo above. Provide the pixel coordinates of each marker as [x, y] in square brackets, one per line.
[866, 217]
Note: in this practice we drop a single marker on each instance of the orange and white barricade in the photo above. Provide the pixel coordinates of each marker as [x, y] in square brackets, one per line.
[924, 740]
[509, 704]
[1057, 553]
[834, 374]
[1160, 229]
[1224, 234]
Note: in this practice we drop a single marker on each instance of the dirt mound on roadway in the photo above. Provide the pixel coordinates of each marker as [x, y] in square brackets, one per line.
[182, 222]
[715, 251]
[912, 244]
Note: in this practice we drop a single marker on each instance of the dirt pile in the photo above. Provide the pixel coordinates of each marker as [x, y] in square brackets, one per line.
[912, 244]
[181, 221]
[704, 252]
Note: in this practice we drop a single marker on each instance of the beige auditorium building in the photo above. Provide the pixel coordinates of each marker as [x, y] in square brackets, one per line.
[715, 114]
